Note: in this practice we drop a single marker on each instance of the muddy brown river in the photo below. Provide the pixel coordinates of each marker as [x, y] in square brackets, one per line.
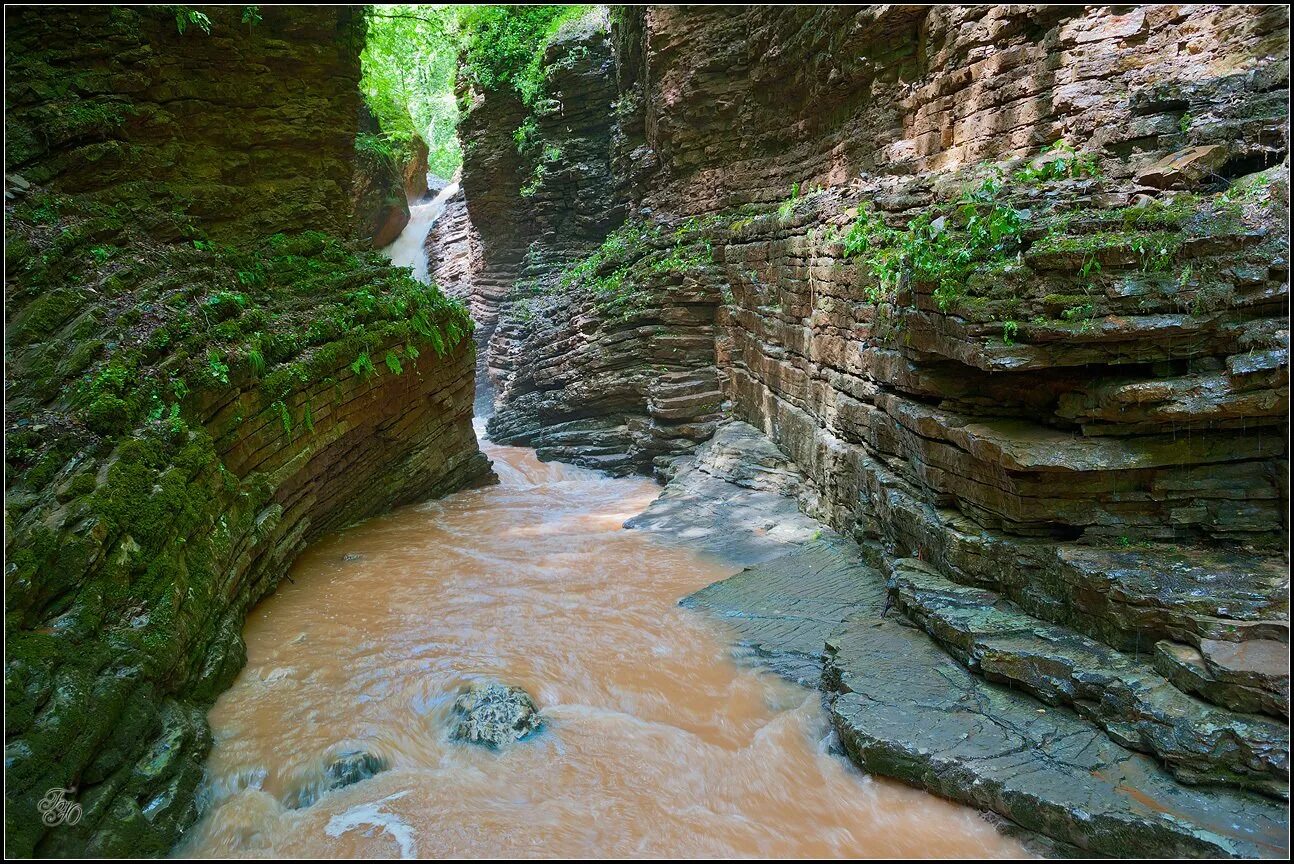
[656, 743]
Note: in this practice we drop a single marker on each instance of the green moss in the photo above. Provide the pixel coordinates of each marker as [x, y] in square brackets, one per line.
[942, 247]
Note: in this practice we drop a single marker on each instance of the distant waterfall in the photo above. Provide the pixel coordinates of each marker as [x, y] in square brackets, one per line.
[410, 248]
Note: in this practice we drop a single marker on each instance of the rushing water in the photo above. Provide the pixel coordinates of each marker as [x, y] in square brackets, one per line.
[656, 743]
[409, 249]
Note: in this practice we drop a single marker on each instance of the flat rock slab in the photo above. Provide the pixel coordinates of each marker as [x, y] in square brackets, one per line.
[782, 612]
[1197, 742]
[905, 709]
[809, 608]
[734, 501]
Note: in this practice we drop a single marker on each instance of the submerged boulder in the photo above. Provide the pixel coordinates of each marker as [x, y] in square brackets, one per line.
[494, 714]
[346, 770]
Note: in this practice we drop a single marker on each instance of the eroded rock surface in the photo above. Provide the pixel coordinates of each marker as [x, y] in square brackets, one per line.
[736, 498]
[1079, 424]
[494, 715]
[1065, 736]
[205, 371]
[904, 709]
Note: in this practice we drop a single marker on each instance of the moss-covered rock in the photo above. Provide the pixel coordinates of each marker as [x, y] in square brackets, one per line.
[199, 381]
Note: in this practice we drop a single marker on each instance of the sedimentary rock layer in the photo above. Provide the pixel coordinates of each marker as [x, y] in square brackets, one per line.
[251, 125]
[198, 383]
[1008, 286]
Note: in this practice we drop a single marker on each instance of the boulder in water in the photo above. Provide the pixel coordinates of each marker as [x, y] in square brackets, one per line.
[346, 770]
[494, 714]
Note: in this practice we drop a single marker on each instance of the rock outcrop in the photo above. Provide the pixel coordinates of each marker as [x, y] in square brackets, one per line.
[977, 726]
[494, 715]
[1009, 288]
[204, 373]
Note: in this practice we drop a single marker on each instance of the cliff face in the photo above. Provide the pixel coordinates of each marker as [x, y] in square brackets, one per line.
[608, 364]
[201, 378]
[1010, 287]
[122, 105]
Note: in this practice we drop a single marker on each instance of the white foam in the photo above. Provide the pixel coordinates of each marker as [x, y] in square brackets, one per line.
[373, 814]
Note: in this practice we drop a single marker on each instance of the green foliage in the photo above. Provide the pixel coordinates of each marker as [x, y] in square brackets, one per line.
[409, 62]
[378, 150]
[1063, 163]
[1010, 329]
[285, 417]
[363, 366]
[170, 317]
[787, 208]
[525, 135]
[393, 363]
[218, 369]
[186, 16]
[631, 254]
[505, 48]
[979, 232]
[256, 360]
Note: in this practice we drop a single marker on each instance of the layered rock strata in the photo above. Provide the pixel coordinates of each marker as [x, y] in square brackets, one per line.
[978, 726]
[1009, 288]
[203, 374]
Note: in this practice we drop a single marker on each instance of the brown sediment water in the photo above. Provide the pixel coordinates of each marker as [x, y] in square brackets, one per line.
[656, 743]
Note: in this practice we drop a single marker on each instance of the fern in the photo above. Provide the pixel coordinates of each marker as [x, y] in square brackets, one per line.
[363, 366]
[393, 363]
[285, 417]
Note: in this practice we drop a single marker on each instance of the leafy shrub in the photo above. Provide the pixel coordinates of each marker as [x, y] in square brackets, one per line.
[505, 49]
[940, 250]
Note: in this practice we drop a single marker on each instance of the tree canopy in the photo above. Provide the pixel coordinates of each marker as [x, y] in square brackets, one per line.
[409, 63]
[413, 54]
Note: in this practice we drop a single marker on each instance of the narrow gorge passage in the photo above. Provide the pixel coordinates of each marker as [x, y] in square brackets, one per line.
[955, 339]
[656, 743]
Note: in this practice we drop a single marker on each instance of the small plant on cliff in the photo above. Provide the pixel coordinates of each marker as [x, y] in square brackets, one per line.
[378, 150]
[942, 250]
[285, 417]
[363, 366]
[218, 368]
[186, 16]
[1060, 161]
[1010, 329]
[525, 135]
[787, 208]
[505, 49]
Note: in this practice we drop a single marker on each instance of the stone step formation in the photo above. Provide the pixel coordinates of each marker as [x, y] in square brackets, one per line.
[1006, 290]
[954, 689]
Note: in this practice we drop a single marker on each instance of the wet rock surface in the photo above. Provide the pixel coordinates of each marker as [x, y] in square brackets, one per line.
[736, 498]
[494, 715]
[345, 770]
[905, 709]
[953, 689]
[1262, 687]
[1196, 741]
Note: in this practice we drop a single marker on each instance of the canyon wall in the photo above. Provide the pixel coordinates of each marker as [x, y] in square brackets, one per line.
[204, 373]
[1008, 284]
